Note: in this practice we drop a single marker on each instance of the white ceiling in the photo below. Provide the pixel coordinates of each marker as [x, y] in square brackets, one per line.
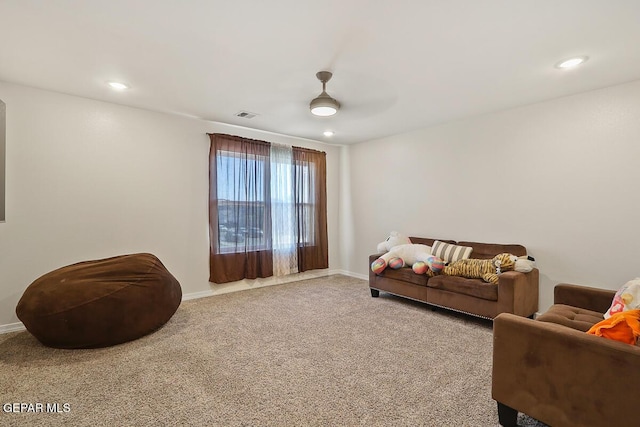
[398, 65]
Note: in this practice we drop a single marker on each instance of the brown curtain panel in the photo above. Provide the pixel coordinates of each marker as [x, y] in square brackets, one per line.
[239, 209]
[310, 194]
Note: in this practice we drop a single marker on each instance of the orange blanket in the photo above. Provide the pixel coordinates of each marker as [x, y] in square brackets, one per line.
[623, 326]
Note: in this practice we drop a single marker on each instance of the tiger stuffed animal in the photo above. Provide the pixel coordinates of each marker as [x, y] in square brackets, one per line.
[485, 269]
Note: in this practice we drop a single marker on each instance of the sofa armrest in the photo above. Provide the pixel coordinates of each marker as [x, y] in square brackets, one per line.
[518, 292]
[561, 376]
[593, 299]
[374, 257]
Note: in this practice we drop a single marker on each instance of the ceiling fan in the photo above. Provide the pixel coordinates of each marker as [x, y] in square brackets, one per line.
[324, 105]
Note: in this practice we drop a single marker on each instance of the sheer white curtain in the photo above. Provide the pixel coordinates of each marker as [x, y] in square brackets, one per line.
[283, 217]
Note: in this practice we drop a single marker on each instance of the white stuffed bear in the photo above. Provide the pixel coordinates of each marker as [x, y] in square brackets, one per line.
[401, 252]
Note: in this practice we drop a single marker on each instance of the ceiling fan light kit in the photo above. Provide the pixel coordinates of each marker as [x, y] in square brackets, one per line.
[324, 105]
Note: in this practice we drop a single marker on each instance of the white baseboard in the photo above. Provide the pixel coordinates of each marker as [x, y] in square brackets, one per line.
[246, 284]
[12, 327]
[351, 274]
[196, 295]
[242, 285]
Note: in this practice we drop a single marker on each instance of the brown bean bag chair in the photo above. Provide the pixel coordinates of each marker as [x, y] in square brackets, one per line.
[100, 303]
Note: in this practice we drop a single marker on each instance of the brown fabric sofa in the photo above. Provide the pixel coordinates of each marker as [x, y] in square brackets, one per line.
[514, 293]
[551, 370]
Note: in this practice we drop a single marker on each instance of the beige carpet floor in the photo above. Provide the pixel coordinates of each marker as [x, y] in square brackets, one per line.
[318, 352]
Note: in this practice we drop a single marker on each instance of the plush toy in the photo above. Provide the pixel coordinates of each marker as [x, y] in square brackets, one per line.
[394, 239]
[626, 298]
[485, 269]
[525, 264]
[401, 252]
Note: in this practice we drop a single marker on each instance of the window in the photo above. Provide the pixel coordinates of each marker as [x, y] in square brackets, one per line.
[267, 209]
[241, 202]
[307, 200]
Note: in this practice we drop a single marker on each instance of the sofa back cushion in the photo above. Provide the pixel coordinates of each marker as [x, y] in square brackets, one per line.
[427, 241]
[489, 250]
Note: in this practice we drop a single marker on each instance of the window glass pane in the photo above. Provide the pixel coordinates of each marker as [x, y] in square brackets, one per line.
[241, 201]
[310, 221]
[240, 179]
[306, 182]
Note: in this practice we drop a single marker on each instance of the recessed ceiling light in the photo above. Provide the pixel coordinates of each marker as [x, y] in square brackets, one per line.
[328, 133]
[571, 62]
[118, 86]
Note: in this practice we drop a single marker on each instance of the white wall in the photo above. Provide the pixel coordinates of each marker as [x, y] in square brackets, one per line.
[560, 177]
[88, 179]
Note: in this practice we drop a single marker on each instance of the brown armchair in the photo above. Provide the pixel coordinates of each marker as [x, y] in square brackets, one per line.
[551, 370]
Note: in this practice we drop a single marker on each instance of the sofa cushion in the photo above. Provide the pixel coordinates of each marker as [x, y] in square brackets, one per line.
[461, 285]
[572, 317]
[405, 274]
[449, 252]
[489, 250]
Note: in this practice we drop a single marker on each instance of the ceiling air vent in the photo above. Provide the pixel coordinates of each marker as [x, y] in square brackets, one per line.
[246, 115]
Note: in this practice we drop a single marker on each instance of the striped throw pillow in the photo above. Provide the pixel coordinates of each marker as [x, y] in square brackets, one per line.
[449, 252]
